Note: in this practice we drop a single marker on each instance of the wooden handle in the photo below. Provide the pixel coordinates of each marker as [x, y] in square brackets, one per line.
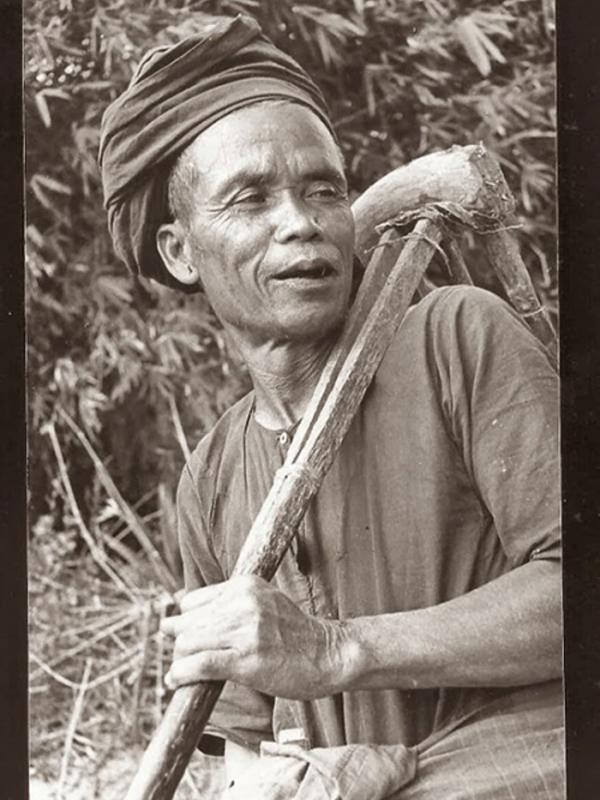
[467, 176]
[464, 175]
[295, 485]
[504, 255]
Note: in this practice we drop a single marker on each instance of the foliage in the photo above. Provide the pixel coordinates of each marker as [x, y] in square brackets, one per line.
[96, 678]
[143, 371]
[402, 78]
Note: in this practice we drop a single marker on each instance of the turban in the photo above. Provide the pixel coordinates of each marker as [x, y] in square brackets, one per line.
[177, 92]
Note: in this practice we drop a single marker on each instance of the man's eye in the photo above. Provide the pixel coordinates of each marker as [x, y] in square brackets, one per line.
[250, 198]
[325, 191]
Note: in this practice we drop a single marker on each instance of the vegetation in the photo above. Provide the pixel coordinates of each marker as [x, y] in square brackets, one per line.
[125, 376]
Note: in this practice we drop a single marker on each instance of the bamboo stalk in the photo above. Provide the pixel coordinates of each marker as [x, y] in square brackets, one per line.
[161, 570]
[73, 722]
[122, 622]
[97, 554]
[179, 432]
[137, 689]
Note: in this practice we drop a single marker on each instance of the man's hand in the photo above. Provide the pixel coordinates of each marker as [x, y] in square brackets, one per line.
[247, 631]
[506, 633]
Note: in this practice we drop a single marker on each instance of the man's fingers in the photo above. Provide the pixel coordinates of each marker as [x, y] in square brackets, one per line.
[193, 621]
[171, 625]
[199, 597]
[208, 666]
[237, 593]
[206, 635]
[210, 621]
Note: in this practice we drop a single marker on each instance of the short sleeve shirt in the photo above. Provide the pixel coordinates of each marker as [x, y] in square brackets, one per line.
[447, 478]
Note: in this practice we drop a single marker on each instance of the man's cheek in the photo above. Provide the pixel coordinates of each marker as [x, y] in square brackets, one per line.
[343, 230]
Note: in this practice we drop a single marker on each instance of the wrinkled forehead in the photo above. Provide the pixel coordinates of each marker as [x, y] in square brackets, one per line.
[265, 136]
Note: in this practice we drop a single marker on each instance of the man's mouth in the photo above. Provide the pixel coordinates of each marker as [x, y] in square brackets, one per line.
[308, 269]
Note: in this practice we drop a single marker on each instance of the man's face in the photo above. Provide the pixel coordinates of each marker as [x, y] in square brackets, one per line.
[271, 230]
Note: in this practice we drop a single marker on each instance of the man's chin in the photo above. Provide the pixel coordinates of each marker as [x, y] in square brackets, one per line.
[314, 327]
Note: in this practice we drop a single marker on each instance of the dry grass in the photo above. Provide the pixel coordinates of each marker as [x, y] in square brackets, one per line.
[97, 663]
[97, 658]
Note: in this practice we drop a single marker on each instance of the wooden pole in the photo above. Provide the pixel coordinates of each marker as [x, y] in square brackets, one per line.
[294, 486]
[467, 176]
[504, 255]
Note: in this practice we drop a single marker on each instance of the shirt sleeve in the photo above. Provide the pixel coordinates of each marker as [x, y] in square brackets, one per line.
[499, 391]
[241, 714]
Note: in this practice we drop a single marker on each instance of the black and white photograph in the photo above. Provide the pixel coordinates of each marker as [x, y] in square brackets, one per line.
[293, 400]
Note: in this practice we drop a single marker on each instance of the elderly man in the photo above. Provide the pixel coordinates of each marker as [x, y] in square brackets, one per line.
[420, 602]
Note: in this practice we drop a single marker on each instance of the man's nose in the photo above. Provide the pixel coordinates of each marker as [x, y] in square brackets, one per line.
[295, 220]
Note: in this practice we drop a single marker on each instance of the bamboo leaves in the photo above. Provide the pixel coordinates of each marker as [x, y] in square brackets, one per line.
[328, 29]
[401, 78]
[474, 32]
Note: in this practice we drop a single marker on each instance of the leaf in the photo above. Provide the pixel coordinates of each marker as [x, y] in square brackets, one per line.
[35, 236]
[477, 45]
[467, 34]
[491, 48]
[336, 26]
[65, 374]
[426, 97]
[52, 184]
[328, 52]
[42, 196]
[90, 403]
[131, 375]
[370, 69]
[59, 93]
[93, 86]
[114, 288]
[42, 107]
[436, 9]
[244, 6]
[188, 341]
[436, 75]
[488, 113]
[43, 44]
[492, 22]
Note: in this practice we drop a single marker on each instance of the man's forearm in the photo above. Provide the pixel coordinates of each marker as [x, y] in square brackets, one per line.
[505, 633]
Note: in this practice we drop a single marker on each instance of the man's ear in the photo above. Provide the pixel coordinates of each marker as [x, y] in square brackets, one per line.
[171, 244]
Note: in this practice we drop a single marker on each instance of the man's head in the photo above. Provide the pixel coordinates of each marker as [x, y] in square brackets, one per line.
[262, 219]
[177, 92]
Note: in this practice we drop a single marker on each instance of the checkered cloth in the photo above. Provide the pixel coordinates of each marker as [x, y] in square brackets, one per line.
[510, 749]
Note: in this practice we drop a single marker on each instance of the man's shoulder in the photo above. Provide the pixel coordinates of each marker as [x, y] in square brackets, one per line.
[450, 330]
[446, 302]
[454, 316]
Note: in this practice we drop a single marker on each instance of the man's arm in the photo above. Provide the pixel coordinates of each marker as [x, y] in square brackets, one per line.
[500, 404]
[505, 633]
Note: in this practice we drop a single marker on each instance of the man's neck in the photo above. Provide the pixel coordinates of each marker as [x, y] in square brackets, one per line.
[284, 377]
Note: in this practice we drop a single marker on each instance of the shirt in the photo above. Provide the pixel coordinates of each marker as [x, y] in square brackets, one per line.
[447, 478]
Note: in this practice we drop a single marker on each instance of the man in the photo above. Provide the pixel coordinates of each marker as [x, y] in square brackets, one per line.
[420, 602]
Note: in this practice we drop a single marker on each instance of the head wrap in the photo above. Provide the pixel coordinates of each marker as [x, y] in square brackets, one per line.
[177, 92]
